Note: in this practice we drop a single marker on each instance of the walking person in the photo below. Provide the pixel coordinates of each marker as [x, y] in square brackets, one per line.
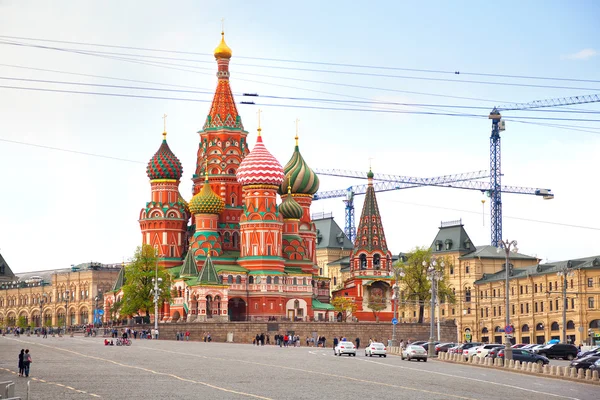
[27, 362]
[335, 343]
[21, 362]
[357, 341]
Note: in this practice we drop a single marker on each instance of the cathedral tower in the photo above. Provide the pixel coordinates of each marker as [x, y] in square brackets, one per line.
[164, 219]
[222, 148]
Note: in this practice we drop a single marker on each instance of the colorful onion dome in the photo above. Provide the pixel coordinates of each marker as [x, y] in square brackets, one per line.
[260, 167]
[222, 50]
[164, 164]
[290, 207]
[299, 176]
[206, 201]
[370, 174]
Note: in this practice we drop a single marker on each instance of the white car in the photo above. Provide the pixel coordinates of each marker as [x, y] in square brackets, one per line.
[412, 352]
[345, 348]
[471, 351]
[377, 349]
[482, 351]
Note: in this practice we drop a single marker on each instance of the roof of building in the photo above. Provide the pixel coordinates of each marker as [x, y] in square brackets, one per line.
[206, 201]
[330, 235]
[344, 261]
[6, 273]
[543, 269]
[452, 237]
[317, 305]
[164, 164]
[298, 175]
[489, 251]
[370, 235]
[208, 274]
[189, 265]
[45, 277]
[260, 167]
[290, 207]
[120, 281]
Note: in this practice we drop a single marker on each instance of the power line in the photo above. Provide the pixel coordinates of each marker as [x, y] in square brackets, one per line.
[377, 67]
[88, 154]
[337, 72]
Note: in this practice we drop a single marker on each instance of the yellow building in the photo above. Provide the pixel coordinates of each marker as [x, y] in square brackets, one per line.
[31, 295]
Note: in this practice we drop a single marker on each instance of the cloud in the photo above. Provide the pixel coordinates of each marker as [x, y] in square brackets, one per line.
[581, 55]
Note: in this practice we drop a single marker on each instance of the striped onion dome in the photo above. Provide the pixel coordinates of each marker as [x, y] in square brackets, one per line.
[164, 164]
[206, 201]
[299, 176]
[259, 167]
[290, 207]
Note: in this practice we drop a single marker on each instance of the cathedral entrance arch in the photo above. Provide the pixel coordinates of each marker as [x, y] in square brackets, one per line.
[176, 316]
[236, 308]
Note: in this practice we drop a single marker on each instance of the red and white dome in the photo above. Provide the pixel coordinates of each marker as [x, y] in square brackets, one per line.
[260, 167]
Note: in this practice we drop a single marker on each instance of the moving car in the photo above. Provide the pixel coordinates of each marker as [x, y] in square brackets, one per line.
[559, 350]
[525, 356]
[345, 348]
[377, 349]
[412, 352]
[585, 362]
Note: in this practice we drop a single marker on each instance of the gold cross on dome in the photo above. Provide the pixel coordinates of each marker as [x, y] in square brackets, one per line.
[259, 128]
[164, 117]
[297, 121]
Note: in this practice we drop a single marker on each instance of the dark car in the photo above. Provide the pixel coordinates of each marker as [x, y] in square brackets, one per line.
[493, 353]
[525, 356]
[426, 345]
[443, 347]
[585, 362]
[558, 350]
[595, 366]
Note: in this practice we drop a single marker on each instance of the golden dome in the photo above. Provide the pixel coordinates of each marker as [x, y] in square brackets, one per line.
[222, 50]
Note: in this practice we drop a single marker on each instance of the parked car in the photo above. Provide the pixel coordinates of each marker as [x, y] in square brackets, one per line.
[377, 349]
[559, 350]
[518, 345]
[472, 351]
[443, 347]
[591, 352]
[529, 346]
[345, 348]
[525, 356]
[463, 349]
[482, 351]
[595, 366]
[585, 362]
[426, 345]
[493, 353]
[454, 349]
[412, 352]
[419, 342]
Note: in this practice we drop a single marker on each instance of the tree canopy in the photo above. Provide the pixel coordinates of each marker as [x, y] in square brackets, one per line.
[137, 296]
[345, 306]
[415, 285]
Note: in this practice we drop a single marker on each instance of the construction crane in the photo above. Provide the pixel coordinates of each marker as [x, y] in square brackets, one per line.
[390, 182]
[495, 190]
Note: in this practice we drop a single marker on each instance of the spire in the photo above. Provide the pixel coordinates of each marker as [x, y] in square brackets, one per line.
[208, 274]
[120, 280]
[189, 265]
[223, 112]
[370, 235]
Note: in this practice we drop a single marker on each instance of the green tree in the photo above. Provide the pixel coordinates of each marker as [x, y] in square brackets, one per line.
[114, 309]
[417, 288]
[138, 282]
[377, 304]
[345, 306]
[22, 322]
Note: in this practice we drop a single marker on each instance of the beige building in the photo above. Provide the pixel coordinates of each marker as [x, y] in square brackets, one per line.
[53, 297]
[476, 274]
[333, 249]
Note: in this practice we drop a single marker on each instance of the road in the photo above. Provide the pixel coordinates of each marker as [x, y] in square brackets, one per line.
[83, 368]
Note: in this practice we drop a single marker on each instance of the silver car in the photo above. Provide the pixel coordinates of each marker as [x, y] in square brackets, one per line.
[345, 348]
[413, 352]
[377, 349]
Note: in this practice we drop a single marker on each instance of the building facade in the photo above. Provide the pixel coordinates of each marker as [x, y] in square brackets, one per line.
[333, 249]
[245, 255]
[69, 296]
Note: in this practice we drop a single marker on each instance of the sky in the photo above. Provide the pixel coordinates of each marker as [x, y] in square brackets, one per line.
[73, 165]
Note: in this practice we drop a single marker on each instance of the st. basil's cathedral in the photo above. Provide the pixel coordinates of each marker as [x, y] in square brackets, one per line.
[244, 256]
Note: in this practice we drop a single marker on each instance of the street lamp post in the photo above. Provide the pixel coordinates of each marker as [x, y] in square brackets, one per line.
[398, 272]
[506, 245]
[156, 292]
[66, 309]
[564, 273]
[434, 275]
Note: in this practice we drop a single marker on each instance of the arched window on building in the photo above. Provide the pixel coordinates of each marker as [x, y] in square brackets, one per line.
[363, 261]
[571, 325]
[269, 280]
[218, 305]
[554, 326]
[276, 280]
[467, 295]
[304, 281]
[295, 281]
[230, 279]
[238, 280]
[251, 280]
[209, 306]
[525, 328]
[376, 261]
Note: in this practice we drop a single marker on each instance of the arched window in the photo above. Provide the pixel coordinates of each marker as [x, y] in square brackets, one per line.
[571, 325]
[363, 261]
[227, 237]
[276, 280]
[525, 328]
[230, 279]
[268, 280]
[296, 304]
[377, 261]
[467, 295]
[497, 329]
[295, 281]
[238, 280]
[539, 327]
[218, 304]
[484, 330]
[251, 280]
[209, 306]
[304, 281]
[234, 239]
[554, 326]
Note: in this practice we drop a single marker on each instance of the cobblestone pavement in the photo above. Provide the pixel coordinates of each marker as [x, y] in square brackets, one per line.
[83, 368]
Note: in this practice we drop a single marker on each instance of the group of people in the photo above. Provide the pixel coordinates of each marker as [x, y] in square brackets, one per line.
[261, 339]
[24, 362]
[182, 335]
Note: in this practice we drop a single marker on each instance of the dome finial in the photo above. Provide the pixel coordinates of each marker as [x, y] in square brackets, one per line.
[164, 117]
[297, 120]
[259, 129]
[222, 50]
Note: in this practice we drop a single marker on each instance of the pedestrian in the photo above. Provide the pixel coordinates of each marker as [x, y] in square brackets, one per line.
[335, 342]
[27, 362]
[21, 362]
[187, 336]
[357, 341]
